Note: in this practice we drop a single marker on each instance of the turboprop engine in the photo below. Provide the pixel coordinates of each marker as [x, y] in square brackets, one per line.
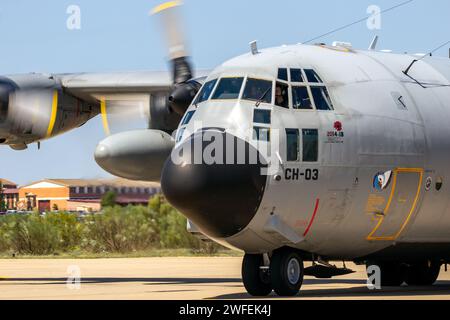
[34, 107]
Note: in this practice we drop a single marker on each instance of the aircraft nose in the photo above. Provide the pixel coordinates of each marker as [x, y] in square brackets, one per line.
[221, 198]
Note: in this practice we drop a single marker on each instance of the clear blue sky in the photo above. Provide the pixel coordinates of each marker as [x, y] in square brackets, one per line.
[120, 36]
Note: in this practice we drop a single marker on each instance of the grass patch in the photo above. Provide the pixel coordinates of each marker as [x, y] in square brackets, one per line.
[139, 254]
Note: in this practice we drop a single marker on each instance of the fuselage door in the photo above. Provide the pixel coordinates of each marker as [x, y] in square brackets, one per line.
[402, 198]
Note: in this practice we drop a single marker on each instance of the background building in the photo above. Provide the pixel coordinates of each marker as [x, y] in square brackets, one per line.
[10, 193]
[82, 195]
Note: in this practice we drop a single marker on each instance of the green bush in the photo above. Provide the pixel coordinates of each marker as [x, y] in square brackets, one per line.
[70, 230]
[171, 226]
[120, 230]
[114, 230]
[32, 234]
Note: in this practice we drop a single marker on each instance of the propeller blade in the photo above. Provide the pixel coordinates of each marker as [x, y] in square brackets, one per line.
[104, 116]
[185, 88]
[172, 27]
[171, 22]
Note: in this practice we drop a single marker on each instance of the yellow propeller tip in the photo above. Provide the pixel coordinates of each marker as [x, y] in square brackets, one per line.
[104, 114]
[165, 6]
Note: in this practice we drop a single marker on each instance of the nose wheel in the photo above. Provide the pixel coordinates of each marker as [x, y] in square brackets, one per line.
[255, 276]
[284, 276]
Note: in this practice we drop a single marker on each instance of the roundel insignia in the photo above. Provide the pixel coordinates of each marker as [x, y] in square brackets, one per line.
[428, 183]
[381, 180]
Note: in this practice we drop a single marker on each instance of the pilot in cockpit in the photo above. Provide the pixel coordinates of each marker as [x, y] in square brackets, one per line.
[281, 99]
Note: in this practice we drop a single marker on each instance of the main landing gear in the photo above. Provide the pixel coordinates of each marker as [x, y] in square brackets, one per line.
[421, 273]
[284, 274]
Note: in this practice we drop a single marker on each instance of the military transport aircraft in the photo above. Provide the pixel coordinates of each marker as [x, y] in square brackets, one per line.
[290, 154]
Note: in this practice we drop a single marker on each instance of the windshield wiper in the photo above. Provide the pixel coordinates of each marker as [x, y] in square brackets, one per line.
[260, 100]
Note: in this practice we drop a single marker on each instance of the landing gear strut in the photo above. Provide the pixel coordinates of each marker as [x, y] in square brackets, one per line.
[284, 276]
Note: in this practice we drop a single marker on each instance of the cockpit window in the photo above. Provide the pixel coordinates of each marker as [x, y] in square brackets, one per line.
[228, 88]
[301, 99]
[283, 74]
[205, 93]
[188, 117]
[312, 76]
[282, 95]
[321, 98]
[296, 75]
[258, 90]
[180, 134]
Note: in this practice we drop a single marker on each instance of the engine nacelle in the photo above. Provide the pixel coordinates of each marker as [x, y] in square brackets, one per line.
[34, 107]
[135, 155]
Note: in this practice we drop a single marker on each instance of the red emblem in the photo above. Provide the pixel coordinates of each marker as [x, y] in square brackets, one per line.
[338, 126]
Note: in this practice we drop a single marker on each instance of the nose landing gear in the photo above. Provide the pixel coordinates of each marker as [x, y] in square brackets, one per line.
[284, 275]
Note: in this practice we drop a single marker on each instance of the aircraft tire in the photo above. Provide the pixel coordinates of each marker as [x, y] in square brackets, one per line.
[423, 273]
[255, 281]
[286, 272]
[392, 273]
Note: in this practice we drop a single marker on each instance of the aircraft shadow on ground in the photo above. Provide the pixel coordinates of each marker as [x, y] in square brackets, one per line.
[358, 291]
[101, 280]
[361, 291]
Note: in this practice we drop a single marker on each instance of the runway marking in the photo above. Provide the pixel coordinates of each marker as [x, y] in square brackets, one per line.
[312, 218]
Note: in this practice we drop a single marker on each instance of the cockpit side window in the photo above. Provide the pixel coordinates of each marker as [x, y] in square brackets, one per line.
[206, 91]
[312, 76]
[258, 90]
[292, 145]
[228, 88]
[310, 145]
[300, 98]
[282, 95]
[321, 98]
[261, 134]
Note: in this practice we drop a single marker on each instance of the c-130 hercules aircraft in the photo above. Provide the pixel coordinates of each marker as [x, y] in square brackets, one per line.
[357, 161]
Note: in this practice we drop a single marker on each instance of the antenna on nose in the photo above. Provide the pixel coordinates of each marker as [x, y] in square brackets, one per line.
[373, 44]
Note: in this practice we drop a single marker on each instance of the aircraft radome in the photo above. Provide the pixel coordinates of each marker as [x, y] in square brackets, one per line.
[290, 154]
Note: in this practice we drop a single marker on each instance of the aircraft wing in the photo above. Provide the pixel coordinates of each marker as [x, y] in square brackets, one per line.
[138, 82]
[122, 91]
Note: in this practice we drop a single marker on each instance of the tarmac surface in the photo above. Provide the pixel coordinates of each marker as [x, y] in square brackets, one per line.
[176, 278]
